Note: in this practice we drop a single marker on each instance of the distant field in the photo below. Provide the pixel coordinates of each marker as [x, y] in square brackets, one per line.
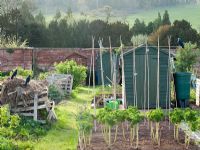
[190, 13]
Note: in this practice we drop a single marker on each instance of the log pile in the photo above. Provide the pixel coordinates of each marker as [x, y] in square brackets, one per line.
[27, 100]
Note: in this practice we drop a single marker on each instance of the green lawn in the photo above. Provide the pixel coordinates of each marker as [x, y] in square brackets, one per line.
[190, 13]
[64, 134]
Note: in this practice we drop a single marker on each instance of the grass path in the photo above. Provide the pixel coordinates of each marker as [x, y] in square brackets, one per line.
[64, 134]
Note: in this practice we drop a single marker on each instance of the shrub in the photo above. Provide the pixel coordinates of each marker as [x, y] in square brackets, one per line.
[15, 132]
[187, 57]
[71, 67]
[192, 95]
[7, 120]
[55, 94]
[23, 72]
[12, 42]
[6, 144]
[43, 75]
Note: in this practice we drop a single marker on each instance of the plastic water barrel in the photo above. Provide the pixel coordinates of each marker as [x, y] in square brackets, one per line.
[182, 87]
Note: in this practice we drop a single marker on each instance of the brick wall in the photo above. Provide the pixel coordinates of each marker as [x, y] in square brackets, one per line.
[44, 58]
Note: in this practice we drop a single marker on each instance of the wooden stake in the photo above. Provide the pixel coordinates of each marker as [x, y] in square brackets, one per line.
[158, 76]
[102, 71]
[169, 76]
[113, 70]
[90, 72]
[123, 76]
[95, 124]
[35, 107]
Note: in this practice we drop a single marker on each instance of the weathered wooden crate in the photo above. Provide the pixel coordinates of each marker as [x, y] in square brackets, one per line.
[62, 81]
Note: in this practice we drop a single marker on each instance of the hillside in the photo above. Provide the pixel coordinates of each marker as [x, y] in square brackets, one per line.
[190, 13]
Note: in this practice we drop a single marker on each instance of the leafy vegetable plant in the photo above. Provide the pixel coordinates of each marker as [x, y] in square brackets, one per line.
[85, 124]
[108, 119]
[191, 118]
[134, 117]
[176, 117]
[155, 116]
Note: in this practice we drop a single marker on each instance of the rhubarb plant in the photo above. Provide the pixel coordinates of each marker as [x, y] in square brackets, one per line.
[155, 116]
[176, 117]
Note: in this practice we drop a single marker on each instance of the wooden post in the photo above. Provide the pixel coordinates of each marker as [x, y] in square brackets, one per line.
[101, 62]
[94, 93]
[35, 107]
[123, 76]
[197, 92]
[158, 77]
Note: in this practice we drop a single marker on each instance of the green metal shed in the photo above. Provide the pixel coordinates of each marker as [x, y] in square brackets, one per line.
[106, 67]
[140, 77]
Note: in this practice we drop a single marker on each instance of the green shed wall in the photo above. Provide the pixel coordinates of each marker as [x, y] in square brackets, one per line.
[140, 70]
[106, 68]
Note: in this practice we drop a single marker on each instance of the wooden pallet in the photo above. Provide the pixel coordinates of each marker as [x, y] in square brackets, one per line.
[30, 108]
[62, 81]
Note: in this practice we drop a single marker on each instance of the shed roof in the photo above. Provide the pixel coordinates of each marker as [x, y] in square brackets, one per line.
[165, 51]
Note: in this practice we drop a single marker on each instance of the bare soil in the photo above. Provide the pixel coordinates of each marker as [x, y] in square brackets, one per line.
[145, 142]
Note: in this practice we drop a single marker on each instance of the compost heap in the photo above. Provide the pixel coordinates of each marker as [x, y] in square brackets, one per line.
[27, 93]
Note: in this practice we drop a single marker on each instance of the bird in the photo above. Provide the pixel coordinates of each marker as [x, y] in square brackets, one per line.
[28, 79]
[180, 42]
[14, 74]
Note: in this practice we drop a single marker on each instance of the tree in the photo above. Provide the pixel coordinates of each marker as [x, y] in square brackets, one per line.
[40, 19]
[162, 32]
[157, 22]
[183, 29]
[150, 28]
[187, 57]
[108, 11]
[166, 20]
[58, 15]
[138, 27]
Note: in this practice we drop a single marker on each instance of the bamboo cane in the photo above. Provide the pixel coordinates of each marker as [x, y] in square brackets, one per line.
[123, 76]
[95, 123]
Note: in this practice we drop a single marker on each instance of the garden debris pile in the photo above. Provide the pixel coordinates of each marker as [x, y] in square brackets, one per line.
[14, 90]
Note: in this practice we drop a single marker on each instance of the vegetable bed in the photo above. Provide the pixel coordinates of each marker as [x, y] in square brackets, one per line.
[145, 141]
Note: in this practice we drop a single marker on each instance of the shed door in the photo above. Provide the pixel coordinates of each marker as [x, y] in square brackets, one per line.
[140, 80]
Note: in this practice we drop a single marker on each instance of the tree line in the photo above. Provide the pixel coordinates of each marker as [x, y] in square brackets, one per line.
[65, 31]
